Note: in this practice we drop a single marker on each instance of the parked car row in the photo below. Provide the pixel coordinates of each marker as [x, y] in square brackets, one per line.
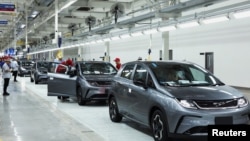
[173, 98]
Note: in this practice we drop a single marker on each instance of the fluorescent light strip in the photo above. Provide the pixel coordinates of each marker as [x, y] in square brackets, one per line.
[166, 28]
[188, 24]
[150, 31]
[99, 41]
[242, 14]
[125, 36]
[92, 42]
[107, 39]
[215, 20]
[135, 34]
[115, 38]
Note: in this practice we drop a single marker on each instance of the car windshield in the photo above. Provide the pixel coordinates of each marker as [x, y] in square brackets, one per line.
[27, 63]
[181, 75]
[97, 68]
[42, 64]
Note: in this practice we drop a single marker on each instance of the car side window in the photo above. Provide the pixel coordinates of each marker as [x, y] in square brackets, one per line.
[140, 74]
[127, 71]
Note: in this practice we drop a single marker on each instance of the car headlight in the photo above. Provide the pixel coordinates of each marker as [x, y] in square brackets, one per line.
[242, 102]
[187, 103]
[92, 83]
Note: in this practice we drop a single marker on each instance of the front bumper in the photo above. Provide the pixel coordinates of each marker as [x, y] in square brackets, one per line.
[195, 123]
[97, 93]
[24, 73]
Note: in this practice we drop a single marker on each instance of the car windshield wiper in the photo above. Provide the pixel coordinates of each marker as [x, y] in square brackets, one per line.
[217, 84]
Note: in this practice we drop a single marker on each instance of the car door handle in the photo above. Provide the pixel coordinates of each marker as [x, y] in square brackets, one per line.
[129, 90]
[51, 78]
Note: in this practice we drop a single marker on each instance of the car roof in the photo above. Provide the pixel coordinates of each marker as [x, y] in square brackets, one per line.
[160, 62]
[93, 62]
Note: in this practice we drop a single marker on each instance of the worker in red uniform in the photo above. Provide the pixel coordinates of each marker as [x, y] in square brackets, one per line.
[118, 63]
[61, 68]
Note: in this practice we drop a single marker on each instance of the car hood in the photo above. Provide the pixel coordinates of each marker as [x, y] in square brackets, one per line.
[205, 93]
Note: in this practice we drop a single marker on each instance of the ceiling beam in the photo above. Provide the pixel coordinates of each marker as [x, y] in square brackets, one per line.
[98, 15]
[71, 20]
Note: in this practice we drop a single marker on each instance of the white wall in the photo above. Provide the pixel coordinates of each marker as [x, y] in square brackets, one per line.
[229, 41]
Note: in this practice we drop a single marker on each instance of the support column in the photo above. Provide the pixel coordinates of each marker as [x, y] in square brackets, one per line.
[15, 36]
[165, 46]
[79, 55]
[107, 52]
[56, 22]
[26, 27]
[50, 56]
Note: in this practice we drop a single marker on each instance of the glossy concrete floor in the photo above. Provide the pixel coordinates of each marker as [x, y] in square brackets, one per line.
[28, 114]
[23, 117]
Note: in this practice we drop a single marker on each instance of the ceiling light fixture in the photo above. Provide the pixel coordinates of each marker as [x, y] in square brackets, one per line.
[99, 41]
[115, 38]
[125, 36]
[150, 31]
[242, 14]
[135, 34]
[215, 20]
[188, 24]
[167, 28]
[106, 39]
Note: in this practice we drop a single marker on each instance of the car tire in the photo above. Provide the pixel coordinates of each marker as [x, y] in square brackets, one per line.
[80, 100]
[113, 111]
[36, 82]
[65, 97]
[31, 79]
[159, 126]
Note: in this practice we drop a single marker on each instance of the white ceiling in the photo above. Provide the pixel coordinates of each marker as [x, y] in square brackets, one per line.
[136, 12]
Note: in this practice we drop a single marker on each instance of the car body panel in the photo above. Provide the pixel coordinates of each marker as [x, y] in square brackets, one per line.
[61, 85]
[203, 93]
[208, 99]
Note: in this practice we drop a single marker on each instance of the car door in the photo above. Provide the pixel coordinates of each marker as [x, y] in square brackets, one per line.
[138, 95]
[122, 87]
[61, 84]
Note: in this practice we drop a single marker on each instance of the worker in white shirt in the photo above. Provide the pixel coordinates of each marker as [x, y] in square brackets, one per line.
[6, 75]
[14, 66]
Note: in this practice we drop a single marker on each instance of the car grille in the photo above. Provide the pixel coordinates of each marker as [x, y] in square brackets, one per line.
[196, 130]
[207, 104]
[103, 83]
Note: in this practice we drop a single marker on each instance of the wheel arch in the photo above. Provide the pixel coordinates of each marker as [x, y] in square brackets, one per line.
[152, 110]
